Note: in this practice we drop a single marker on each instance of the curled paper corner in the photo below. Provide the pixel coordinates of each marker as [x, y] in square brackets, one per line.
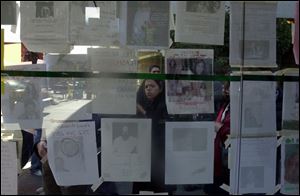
[95, 186]
[225, 187]
[276, 189]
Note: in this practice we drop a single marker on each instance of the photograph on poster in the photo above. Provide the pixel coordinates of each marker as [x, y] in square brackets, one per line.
[252, 116]
[125, 137]
[68, 150]
[252, 177]
[44, 9]
[148, 23]
[188, 139]
[290, 165]
[256, 49]
[290, 110]
[203, 6]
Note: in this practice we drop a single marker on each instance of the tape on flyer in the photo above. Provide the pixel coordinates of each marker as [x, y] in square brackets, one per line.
[97, 184]
[276, 188]
[227, 143]
[225, 187]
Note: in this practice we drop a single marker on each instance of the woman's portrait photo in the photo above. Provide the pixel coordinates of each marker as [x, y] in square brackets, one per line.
[200, 67]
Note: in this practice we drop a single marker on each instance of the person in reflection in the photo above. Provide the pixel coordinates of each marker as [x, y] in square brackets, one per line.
[156, 110]
[222, 128]
[142, 100]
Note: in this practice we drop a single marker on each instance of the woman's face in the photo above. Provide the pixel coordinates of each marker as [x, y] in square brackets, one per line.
[199, 67]
[151, 89]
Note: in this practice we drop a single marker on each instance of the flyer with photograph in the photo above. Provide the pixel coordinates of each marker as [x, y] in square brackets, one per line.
[253, 169]
[253, 35]
[201, 22]
[45, 26]
[258, 113]
[72, 152]
[189, 152]
[126, 149]
[189, 96]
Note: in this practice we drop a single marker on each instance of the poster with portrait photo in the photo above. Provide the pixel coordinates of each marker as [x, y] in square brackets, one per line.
[113, 95]
[22, 101]
[290, 165]
[189, 152]
[126, 149]
[201, 22]
[252, 170]
[89, 26]
[45, 26]
[145, 24]
[72, 152]
[189, 96]
[258, 46]
[290, 107]
[258, 111]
